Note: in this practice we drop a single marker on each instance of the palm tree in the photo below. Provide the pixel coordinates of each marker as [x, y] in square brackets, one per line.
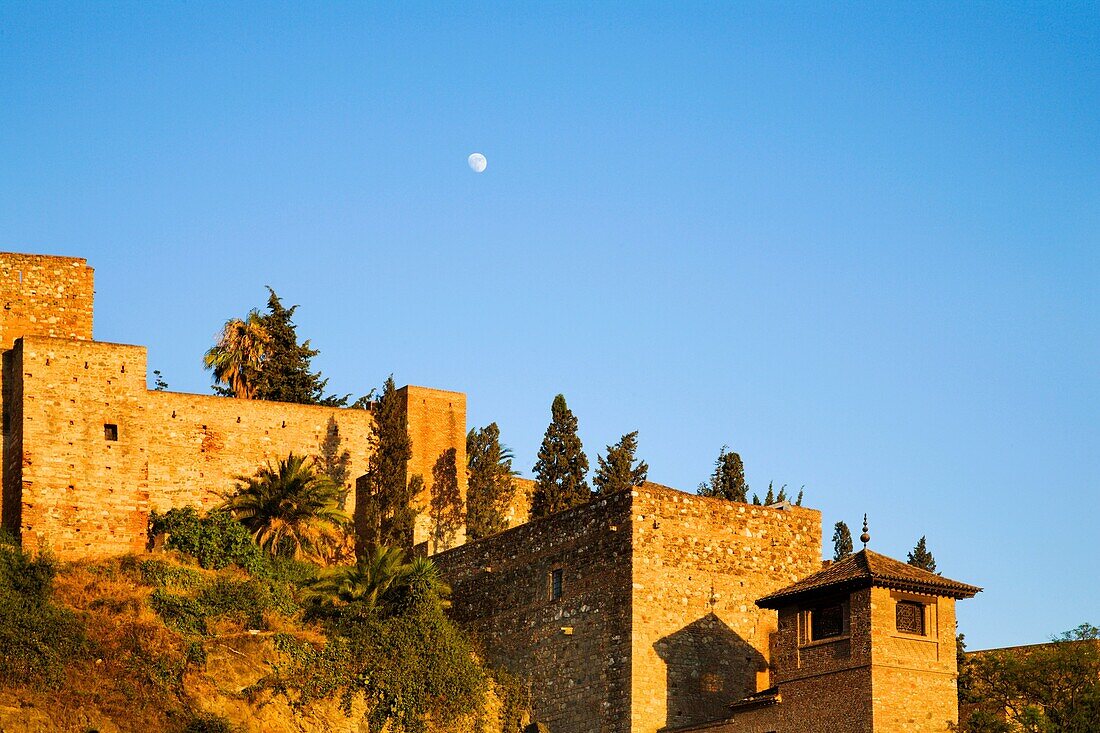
[238, 355]
[365, 582]
[381, 580]
[291, 509]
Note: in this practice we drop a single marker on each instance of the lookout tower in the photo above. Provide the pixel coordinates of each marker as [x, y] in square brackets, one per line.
[865, 644]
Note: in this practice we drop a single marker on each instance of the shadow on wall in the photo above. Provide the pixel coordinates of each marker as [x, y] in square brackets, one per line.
[708, 666]
[11, 503]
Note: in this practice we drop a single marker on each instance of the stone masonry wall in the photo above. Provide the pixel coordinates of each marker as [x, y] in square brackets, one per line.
[913, 678]
[699, 640]
[575, 650]
[45, 296]
[436, 421]
[83, 495]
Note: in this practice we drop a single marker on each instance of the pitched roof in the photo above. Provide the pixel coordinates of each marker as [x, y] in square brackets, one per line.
[865, 569]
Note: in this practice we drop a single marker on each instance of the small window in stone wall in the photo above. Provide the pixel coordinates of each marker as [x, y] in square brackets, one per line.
[110, 432]
[827, 622]
[909, 617]
[555, 584]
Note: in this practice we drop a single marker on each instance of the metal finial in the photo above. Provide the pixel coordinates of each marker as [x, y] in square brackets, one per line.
[865, 537]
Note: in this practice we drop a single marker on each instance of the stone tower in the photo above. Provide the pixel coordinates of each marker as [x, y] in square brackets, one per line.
[865, 644]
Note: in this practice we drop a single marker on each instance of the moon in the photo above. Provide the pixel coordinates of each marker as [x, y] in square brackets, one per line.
[477, 162]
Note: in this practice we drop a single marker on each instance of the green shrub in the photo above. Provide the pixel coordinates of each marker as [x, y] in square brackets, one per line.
[182, 613]
[162, 574]
[243, 601]
[37, 637]
[215, 540]
[410, 666]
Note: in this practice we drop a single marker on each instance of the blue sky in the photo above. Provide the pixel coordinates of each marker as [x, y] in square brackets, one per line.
[856, 242]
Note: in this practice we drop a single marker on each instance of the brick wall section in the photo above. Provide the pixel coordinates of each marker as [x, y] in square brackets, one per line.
[580, 681]
[83, 495]
[699, 640]
[45, 296]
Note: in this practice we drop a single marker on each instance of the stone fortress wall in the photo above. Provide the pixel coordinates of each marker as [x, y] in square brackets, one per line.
[699, 641]
[89, 450]
[656, 626]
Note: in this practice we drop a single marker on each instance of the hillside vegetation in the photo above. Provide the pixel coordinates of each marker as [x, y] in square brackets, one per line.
[211, 634]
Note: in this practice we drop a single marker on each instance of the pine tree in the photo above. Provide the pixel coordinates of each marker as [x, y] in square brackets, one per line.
[798, 501]
[842, 541]
[728, 479]
[384, 511]
[333, 461]
[920, 557]
[561, 467]
[491, 482]
[782, 495]
[769, 498]
[285, 374]
[446, 501]
[756, 500]
[618, 471]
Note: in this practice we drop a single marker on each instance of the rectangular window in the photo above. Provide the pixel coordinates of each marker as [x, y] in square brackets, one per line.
[555, 584]
[110, 432]
[909, 617]
[827, 622]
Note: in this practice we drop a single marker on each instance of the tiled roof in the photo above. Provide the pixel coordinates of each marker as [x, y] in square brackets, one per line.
[864, 569]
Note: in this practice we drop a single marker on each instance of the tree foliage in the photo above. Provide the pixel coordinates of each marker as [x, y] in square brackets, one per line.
[292, 509]
[620, 471]
[491, 484]
[285, 375]
[842, 541]
[216, 540]
[37, 637]
[402, 654]
[727, 481]
[445, 507]
[561, 467]
[259, 357]
[920, 557]
[1048, 688]
[238, 356]
[384, 503]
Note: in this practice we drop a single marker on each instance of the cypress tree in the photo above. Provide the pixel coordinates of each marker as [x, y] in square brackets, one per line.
[384, 513]
[798, 501]
[920, 557]
[769, 498]
[491, 482]
[285, 374]
[561, 467]
[728, 479]
[842, 541]
[618, 471]
[446, 502]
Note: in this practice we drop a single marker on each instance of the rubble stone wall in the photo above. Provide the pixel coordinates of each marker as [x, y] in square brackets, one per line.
[699, 642]
[574, 650]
